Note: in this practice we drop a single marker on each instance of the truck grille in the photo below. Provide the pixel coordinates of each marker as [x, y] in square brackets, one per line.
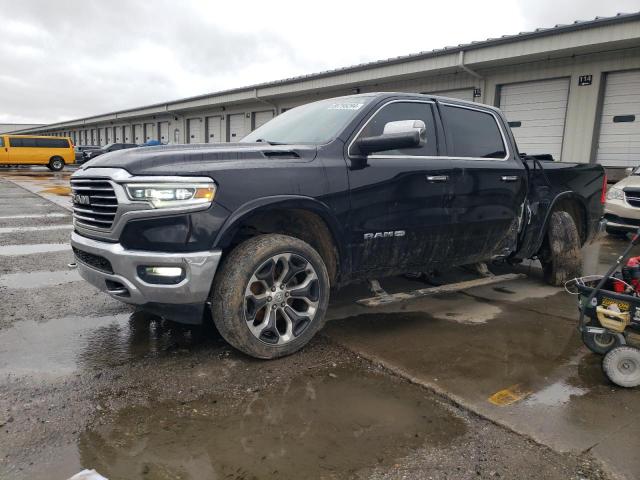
[94, 202]
[633, 198]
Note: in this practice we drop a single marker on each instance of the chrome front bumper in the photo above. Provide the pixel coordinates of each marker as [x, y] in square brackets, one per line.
[125, 285]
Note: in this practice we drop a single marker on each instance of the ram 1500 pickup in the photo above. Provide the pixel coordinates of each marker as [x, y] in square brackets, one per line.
[255, 234]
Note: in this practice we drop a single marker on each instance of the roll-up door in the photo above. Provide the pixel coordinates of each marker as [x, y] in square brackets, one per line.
[195, 133]
[101, 136]
[619, 137]
[236, 127]
[109, 135]
[150, 132]
[138, 137]
[118, 134]
[214, 129]
[163, 130]
[93, 136]
[260, 118]
[536, 112]
[460, 94]
[127, 134]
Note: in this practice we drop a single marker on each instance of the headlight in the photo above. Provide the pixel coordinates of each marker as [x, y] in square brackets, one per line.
[615, 194]
[167, 195]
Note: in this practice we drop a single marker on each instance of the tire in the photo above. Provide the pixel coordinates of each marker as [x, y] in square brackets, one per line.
[622, 366]
[616, 232]
[262, 322]
[599, 344]
[56, 164]
[561, 257]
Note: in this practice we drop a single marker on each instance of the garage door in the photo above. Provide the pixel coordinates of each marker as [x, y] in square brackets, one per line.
[236, 127]
[619, 138]
[127, 134]
[460, 94]
[195, 131]
[118, 134]
[138, 137]
[163, 129]
[214, 129]
[536, 112]
[149, 132]
[260, 118]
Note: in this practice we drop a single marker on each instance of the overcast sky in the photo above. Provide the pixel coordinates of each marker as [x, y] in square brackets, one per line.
[66, 59]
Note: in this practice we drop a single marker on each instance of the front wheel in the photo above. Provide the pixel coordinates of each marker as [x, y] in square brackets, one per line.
[270, 296]
[56, 164]
[560, 256]
[622, 366]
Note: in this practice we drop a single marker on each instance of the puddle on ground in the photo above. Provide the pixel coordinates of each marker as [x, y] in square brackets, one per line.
[38, 279]
[59, 347]
[555, 394]
[326, 424]
[28, 249]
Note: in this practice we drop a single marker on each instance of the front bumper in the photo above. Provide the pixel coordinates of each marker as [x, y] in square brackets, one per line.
[621, 223]
[118, 274]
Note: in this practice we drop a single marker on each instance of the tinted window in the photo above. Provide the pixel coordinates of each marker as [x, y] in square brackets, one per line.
[1, 142]
[404, 111]
[471, 133]
[52, 142]
[22, 142]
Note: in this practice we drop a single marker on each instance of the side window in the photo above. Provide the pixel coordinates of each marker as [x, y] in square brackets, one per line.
[471, 133]
[15, 142]
[405, 111]
[1, 142]
[29, 142]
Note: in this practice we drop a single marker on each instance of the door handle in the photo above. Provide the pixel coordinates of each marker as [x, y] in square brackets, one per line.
[437, 178]
[510, 178]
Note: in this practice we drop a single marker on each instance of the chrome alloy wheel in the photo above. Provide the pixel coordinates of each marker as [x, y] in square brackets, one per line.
[281, 298]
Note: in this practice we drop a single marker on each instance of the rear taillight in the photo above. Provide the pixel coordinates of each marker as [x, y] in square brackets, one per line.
[603, 196]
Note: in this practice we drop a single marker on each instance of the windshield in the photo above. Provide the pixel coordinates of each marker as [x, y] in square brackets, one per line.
[314, 123]
[107, 146]
[635, 171]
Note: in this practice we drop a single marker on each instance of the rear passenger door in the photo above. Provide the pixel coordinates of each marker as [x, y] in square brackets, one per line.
[399, 215]
[4, 152]
[488, 184]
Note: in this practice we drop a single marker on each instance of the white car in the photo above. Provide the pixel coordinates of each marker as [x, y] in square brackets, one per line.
[622, 207]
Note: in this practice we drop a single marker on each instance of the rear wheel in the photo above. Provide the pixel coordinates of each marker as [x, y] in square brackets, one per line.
[56, 164]
[622, 366]
[560, 255]
[270, 296]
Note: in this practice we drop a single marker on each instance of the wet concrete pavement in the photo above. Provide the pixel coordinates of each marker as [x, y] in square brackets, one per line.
[87, 382]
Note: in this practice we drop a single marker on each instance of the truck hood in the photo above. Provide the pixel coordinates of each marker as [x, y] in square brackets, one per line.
[200, 158]
[630, 181]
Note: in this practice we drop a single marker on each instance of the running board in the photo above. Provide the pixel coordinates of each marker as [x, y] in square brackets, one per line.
[388, 298]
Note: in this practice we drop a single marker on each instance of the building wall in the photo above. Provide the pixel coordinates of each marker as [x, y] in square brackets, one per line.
[582, 116]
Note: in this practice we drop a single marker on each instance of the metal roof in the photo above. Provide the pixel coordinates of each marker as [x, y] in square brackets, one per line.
[538, 32]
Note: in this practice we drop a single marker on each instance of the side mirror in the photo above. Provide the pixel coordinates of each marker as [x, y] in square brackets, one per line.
[395, 135]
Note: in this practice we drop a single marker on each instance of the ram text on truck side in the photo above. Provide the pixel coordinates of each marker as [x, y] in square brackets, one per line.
[256, 233]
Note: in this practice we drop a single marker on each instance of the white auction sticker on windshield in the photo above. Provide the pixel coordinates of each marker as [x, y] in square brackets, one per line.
[345, 106]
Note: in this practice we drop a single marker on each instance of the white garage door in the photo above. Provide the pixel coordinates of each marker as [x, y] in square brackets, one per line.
[163, 129]
[127, 134]
[149, 132]
[260, 118]
[619, 139]
[214, 129]
[137, 133]
[236, 127]
[195, 130]
[536, 112]
[460, 94]
[118, 134]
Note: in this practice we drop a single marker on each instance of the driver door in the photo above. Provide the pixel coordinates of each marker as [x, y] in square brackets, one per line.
[399, 217]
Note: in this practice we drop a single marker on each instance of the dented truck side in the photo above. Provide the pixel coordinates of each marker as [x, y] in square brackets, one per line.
[257, 233]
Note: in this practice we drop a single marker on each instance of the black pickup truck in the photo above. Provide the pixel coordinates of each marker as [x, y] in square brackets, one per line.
[255, 234]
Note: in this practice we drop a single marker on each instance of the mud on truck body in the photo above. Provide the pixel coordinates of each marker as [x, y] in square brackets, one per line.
[255, 234]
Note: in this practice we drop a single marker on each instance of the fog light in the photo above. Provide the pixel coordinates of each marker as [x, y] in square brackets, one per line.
[162, 275]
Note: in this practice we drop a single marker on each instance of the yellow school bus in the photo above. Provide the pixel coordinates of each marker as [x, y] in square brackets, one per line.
[54, 152]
